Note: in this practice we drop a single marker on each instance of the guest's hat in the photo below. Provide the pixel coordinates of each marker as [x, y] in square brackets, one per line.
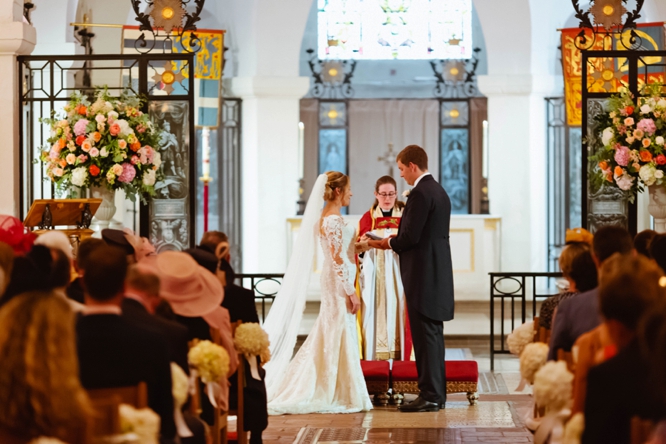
[117, 238]
[188, 287]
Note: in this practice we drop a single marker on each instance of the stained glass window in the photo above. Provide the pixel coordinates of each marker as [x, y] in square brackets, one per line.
[395, 29]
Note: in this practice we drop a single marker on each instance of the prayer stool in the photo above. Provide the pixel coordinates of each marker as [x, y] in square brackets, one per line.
[461, 377]
[376, 374]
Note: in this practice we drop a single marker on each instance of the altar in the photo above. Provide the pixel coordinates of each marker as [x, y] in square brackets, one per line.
[475, 247]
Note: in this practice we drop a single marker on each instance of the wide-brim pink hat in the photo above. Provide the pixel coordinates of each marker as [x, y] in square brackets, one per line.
[190, 289]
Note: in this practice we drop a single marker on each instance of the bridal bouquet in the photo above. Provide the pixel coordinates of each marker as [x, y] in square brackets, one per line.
[210, 360]
[106, 142]
[633, 133]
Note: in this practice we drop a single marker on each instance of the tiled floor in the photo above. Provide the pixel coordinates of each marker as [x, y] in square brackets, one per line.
[497, 418]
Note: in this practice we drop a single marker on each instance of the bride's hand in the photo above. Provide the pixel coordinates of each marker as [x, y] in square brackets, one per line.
[353, 304]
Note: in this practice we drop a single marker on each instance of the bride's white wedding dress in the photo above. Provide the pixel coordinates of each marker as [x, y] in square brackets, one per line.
[325, 375]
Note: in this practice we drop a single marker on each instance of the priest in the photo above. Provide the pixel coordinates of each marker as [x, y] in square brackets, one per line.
[382, 318]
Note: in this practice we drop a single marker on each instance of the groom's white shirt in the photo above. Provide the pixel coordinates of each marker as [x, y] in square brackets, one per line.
[416, 182]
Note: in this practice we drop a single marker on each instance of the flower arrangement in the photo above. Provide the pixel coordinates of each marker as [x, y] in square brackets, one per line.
[180, 385]
[142, 422]
[108, 143]
[553, 384]
[532, 358]
[520, 337]
[210, 360]
[633, 134]
[251, 339]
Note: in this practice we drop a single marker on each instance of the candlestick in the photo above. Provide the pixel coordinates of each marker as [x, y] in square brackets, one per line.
[485, 150]
[205, 141]
[301, 148]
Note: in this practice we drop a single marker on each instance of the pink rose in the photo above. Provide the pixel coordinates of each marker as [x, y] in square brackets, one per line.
[647, 125]
[638, 134]
[114, 129]
[82, 158]
[128, 173]
[94, 152]
[134, 160]
[646, 142]
[71, 158]
[122, 144]
[622, 155]
[80, 127]
[86, 146]
[629, 121]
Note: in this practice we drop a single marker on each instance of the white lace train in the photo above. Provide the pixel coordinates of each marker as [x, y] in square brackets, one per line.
[325, 375]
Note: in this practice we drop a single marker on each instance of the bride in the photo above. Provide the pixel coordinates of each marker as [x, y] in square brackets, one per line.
[325, 375]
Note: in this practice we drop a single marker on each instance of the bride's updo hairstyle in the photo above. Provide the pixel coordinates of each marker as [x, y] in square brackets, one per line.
[336, 180]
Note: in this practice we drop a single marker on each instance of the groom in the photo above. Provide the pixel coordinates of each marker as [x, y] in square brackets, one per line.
[422, 243]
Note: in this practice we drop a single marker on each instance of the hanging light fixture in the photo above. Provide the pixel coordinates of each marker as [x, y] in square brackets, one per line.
[161, 18]
[167, 14]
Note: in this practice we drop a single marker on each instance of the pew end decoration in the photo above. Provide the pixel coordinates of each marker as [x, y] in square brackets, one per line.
[251, 341]
[532, 358]
[520, 337]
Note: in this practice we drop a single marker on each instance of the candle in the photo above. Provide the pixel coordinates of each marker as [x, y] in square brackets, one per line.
[485, 149]
[301, 148]
[205, 140]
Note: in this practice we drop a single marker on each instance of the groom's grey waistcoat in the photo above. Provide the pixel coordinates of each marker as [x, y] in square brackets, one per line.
[425, 254]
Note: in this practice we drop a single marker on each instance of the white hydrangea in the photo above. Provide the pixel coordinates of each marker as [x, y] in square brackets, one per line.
[647, 174]
[157, 159]
[125, 129]
[149, 178]
[532, 358]
[646, 109]
[520, 337]
[607, 136]
[553, 385]
[661, 103]
[79, 176]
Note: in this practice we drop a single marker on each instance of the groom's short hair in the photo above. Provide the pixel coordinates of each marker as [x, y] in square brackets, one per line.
[414, 154]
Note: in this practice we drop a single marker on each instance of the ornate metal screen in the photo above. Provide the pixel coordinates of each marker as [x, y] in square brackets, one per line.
[604, 72]
[49, 81]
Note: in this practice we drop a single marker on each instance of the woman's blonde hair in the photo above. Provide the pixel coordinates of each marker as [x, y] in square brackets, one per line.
[336, 180]
[40, 391]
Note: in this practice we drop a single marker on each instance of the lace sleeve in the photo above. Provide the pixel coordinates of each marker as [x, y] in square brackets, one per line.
[332, 231]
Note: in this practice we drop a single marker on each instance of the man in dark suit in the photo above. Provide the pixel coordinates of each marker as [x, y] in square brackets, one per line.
[114, 352]
[142, 295]
[580, 314]
[238, 300]
[422, 243]
[622, 387]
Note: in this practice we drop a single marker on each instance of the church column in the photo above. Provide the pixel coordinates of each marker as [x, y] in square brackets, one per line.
[270, 116]
[517, 182]
[16, 38]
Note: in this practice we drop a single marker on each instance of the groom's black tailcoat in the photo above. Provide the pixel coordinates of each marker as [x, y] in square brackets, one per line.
[427, 275]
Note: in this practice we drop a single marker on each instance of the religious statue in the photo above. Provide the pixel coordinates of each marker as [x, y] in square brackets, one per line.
[383, 316]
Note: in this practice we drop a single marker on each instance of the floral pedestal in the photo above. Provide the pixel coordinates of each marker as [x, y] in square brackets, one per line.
[107, 209]
[657, 207]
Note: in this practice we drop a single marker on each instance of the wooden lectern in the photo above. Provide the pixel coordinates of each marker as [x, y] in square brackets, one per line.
[72, 216]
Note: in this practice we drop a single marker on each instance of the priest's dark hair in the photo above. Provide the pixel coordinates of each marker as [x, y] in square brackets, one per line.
[105, 272]
[414, 154]
[383, 181]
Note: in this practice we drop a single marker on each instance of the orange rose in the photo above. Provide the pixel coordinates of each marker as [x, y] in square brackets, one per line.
[135, 146]
[62, 163]
[609, 176]
[61, 143]
[97, 136]
[618, 171]
[603, 165]
[646, 156]
[94, 170]
[83, 110]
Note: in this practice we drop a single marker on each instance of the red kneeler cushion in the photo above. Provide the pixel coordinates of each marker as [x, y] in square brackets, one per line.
[462, 371]
[376, 370]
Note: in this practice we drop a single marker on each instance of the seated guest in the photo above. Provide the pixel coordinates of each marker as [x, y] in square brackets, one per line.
[56, 240]
[642, 242]
[6, 265]
[582, 277]
[238, 300]
[61, 276]
[40, 392]
[658, 250]
[15, 234]
[580, 314]
[142, 295]
[87, 246]
[114, 352]
[622, 387]
[652, 338]
[216, 242]
[118, 239]
[195, 295]
[30, 272]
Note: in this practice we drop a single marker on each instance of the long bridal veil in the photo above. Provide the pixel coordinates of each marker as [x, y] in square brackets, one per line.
[286, 313]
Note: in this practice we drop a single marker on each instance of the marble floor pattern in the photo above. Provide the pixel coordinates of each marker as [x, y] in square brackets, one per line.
[497, 418]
